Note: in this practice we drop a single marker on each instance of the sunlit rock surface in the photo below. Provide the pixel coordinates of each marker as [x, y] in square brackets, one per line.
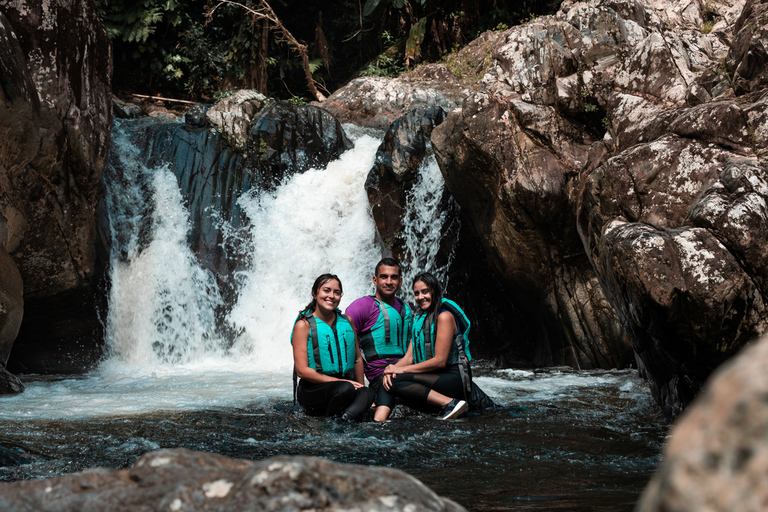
[376, 101]
[717, 454]
[181, 479]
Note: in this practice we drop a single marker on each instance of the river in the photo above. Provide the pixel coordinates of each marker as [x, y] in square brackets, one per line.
[185, 369]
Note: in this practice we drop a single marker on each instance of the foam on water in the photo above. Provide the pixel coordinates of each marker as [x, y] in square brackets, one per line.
[318, 222]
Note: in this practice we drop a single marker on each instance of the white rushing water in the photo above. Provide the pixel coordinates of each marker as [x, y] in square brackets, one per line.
[165, 351]
[423, 225]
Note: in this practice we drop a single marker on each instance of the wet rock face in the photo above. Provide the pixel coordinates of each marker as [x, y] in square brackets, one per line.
[519, 198]
[406, 144]
[54, 190]
[399, 162]
[185, 480]
[55, 120]
[717, 454]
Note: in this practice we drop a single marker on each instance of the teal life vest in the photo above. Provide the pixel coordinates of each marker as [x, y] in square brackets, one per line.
[330, 348]
[388, 337]
[424, 335]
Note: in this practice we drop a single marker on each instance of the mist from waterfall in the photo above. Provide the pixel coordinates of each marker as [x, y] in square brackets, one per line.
[163, 304]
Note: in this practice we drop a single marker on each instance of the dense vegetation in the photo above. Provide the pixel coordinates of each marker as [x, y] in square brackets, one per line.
[197, 49]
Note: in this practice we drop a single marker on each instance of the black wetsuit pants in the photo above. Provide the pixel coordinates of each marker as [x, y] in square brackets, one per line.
[413, 388]
[334, 398]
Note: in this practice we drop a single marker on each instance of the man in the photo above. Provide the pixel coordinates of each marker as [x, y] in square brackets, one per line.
[383, 324]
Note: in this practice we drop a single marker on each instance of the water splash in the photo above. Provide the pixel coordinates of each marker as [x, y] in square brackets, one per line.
[162, 303]
[317, 222]
[423, 225]
[165, 308]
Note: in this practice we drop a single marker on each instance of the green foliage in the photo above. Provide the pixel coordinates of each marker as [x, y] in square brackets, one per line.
[389, 63]
[590, 107]
[707, 27]
[415, 38]
[168, 46]
[219, 95]
[298, 100]
[384, 65]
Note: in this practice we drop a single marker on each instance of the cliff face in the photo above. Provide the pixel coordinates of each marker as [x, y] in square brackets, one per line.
[611, 159]
[55, 120]
[613, 165]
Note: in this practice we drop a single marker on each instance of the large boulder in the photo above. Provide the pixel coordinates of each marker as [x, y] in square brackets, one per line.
[673, 217]
[181, 479]
[402, 153]
[420, 223]
[376, 102]
[717, 454]
[11, 304]
[617, 184]
[55, 121]
[611, 161]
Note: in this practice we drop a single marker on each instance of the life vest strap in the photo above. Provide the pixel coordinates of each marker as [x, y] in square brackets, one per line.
[387, 326]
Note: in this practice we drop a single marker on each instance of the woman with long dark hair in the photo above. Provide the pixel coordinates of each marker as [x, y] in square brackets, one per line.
[326, 356]
[434, 373]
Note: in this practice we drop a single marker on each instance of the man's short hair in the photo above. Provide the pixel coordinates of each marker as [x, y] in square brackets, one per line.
[388, 262]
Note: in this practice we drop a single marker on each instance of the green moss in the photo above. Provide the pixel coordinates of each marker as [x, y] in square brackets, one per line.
[465, 67]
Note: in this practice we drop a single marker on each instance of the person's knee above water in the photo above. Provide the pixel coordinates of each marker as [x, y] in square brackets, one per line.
[326, 356]
[434, 373]
[383, 322]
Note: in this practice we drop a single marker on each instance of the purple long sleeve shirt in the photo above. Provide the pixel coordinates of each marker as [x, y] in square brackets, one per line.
[364, 312]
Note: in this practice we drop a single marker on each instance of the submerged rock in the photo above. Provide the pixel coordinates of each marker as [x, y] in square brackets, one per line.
[717, 454]
[181, 479]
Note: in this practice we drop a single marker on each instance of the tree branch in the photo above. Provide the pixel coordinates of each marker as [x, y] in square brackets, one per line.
[264, 12]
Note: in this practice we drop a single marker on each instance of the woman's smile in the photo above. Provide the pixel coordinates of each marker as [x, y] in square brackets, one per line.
[422, 295]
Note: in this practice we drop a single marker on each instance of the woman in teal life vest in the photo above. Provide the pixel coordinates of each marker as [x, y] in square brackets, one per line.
[326, 356]
[429, 376]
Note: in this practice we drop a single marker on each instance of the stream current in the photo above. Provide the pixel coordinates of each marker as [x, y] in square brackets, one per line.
[562, 439]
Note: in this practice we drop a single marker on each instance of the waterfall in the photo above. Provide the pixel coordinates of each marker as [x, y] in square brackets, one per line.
[423, 224]
[317, 222]
[163, 305]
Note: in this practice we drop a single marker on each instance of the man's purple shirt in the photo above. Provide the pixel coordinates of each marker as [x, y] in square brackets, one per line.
[364, 312]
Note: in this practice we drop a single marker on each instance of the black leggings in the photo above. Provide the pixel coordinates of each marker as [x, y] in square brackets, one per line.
[334, 398]
[413, 388]
[382, 396]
